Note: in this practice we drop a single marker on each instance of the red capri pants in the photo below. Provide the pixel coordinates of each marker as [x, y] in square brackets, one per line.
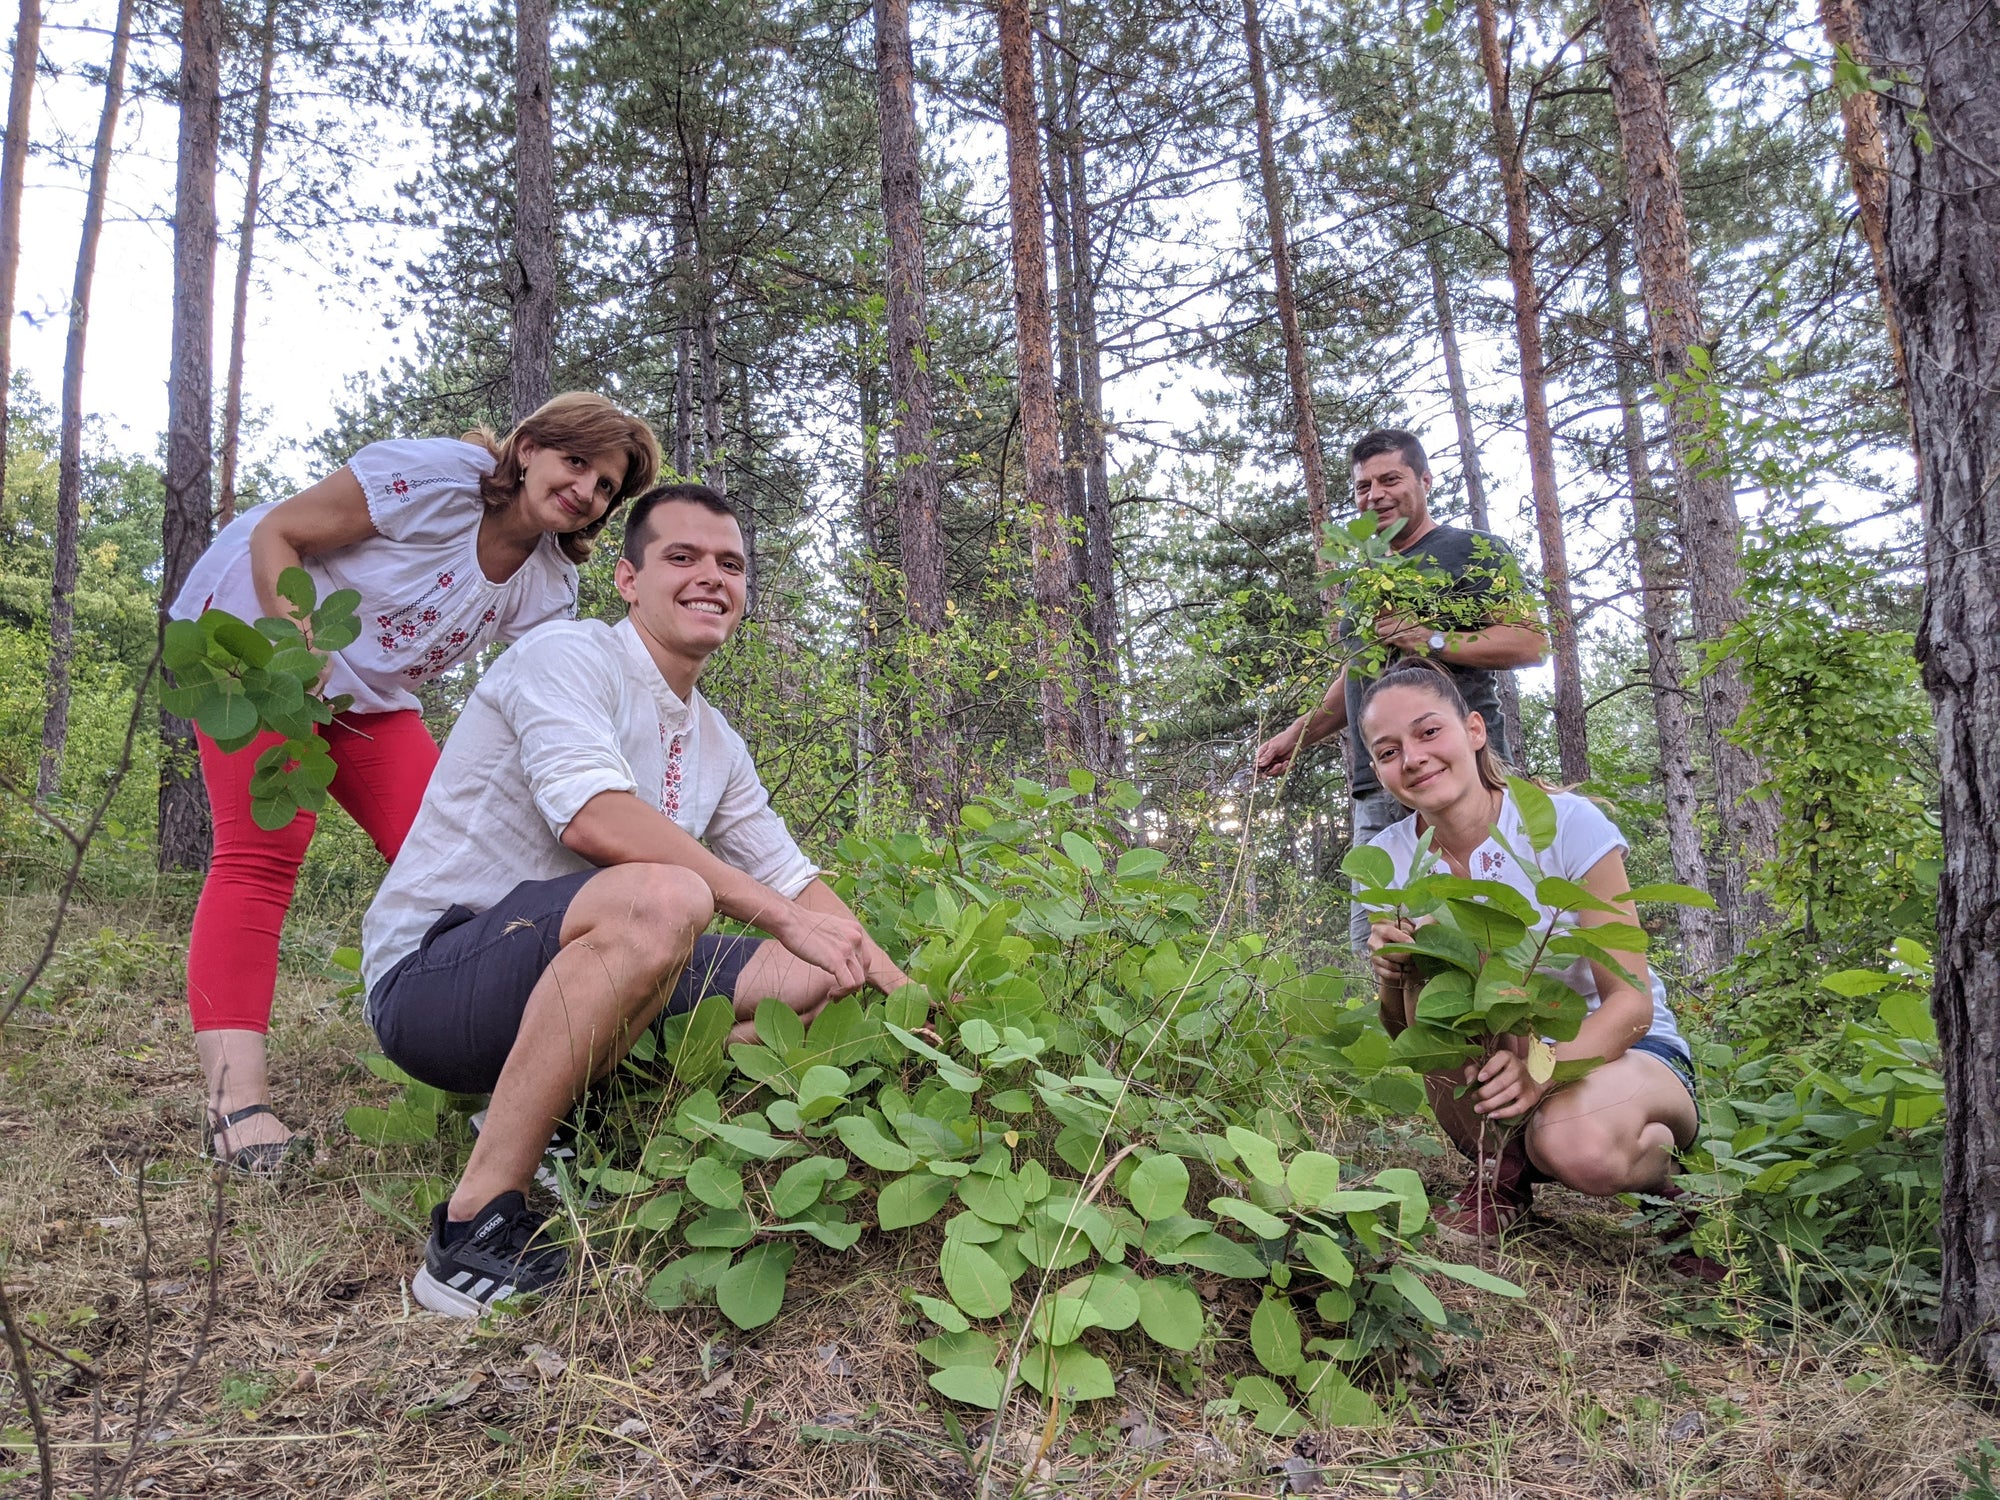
[383, 763]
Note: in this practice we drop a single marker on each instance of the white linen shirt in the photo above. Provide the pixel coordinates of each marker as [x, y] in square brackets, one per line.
[425, 603]
[1584, 835]
[575, 708]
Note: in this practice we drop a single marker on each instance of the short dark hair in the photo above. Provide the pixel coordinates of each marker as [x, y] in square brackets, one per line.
[638, 527]
[1391, 440]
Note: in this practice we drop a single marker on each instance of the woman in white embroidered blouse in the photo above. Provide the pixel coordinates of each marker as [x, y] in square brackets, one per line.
[452, 544]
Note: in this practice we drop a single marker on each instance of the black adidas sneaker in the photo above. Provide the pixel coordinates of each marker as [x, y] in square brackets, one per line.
[502, 1254]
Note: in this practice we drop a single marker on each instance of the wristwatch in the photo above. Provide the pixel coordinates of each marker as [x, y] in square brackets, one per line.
[1437, 642]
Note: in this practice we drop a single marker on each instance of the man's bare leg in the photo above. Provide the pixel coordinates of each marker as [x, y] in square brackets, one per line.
[625, 937]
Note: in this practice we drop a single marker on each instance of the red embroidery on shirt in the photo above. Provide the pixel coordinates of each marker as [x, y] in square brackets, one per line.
[400, 485]
[1491, 862]
[444, 580]
[670, 775]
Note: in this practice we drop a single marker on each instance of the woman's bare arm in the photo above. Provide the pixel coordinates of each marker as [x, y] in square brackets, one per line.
[330, 515]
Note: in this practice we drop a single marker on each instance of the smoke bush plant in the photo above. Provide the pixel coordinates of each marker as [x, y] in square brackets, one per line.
[1094, 1098]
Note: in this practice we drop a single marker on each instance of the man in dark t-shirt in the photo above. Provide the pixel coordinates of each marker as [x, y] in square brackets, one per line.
[1392, 479]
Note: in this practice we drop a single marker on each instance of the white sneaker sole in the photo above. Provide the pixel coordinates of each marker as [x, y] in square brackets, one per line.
[449, 1301]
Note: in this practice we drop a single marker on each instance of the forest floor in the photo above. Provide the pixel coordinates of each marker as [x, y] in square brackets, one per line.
[291, 1360]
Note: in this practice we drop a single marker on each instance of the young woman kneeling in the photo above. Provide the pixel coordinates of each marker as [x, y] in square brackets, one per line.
[1616, 1129]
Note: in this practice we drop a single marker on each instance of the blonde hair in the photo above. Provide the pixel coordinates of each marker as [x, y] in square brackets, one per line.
[581, 422]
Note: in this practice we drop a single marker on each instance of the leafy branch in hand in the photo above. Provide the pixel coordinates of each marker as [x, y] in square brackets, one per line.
[236, 683]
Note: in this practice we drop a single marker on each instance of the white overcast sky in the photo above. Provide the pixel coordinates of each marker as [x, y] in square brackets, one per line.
[306, 337]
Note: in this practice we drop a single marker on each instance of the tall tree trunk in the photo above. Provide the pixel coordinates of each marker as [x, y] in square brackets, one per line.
[1305, 420]
[1943, 237]
[919, 524]
[1069, 404]
[684, 403]
[246, 234]
[1506, 688]
[13, 178]
[1056, 651]
[184, 527]
[1509, 142]
[1651, 523]
[1861, 141]
[714, 443]
[1099, 544]
[867, 514]
[531, 275]
[1710, 530]
[69, 469]
[746, 498]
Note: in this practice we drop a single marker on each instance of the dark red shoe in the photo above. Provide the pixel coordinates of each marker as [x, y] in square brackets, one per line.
[1488, 1206]
[1689, 1262]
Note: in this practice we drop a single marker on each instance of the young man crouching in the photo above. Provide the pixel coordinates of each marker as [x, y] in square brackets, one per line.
[553, 897]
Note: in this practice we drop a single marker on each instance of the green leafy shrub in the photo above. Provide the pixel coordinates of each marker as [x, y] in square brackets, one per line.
[236, 683]
[1084, 1098]
[1834, 1169]
[1374, 580]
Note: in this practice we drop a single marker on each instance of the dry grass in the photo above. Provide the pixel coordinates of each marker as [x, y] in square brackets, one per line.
[321, 1378]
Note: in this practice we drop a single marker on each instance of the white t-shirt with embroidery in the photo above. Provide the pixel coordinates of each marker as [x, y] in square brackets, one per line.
[1584, 835]
[425, 604]
[573, 709]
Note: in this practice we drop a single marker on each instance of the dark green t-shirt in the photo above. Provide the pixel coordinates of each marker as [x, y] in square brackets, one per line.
[1479, 562]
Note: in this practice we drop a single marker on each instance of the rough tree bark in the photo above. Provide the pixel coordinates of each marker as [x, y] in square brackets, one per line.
[69, 468]
[1943, 238]
[919, 524]
[867, 512]
[1867, 165]
[1099, 543]
[1507, 689]
[1305, 419]
[1509, 142]
[184, 528]
[1091, 705]
[531, 274]
[1652, 523]
[246, 234]
[13, 178]
[1056, 653]
[1710, 530]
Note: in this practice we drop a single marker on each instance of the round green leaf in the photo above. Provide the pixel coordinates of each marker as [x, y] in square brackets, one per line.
[978, 1037]
[974, 1280]
[860, 1136]
[1170, 1311]
[1069, 1373]
[998, 1200]
[974, 1385]
[940, 1312]
[799, 1186]
[1313, 1176]
[716, 1184]
[1159, 1187]
[910, 1200]
[1257, 1154]
[751, 1291]
[1275, 1337]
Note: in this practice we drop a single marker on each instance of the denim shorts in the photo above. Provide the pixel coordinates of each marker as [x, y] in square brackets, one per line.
[1674, 1057]
[448, 1013]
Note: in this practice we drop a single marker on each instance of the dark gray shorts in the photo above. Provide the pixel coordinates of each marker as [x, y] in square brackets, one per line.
[449, 1012]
